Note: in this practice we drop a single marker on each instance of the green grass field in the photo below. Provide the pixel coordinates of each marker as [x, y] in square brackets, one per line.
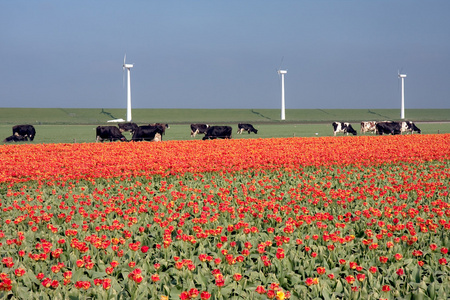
[78, 125]
[76, 116]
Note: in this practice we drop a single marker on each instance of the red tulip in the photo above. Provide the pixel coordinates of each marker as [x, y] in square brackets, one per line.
[260, 289]
[205, 295]
[386, 288]
[321, 270]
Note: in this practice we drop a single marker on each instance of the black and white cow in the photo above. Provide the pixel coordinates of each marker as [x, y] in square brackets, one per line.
[161, 126]
[111, 133]
[368, 126]
[148, 133]
[408, 126]
[388, 127]
[215, 132]
[129, 126]
[343, 127]
[246, 127]
[26, 131]
[14, 138]
[198, 129]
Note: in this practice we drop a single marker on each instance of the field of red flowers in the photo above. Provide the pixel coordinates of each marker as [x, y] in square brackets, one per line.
[296, 218]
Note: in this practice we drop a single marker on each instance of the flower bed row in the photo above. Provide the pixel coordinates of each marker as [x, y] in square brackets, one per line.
[94, 160]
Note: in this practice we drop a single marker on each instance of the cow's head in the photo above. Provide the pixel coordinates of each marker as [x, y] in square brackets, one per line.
[351, 130]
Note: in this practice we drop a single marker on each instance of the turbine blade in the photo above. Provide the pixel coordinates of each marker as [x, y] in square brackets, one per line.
[281, 62]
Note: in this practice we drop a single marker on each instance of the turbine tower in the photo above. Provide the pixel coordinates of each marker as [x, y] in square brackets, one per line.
[282, 72]
[402, 112]
[128, 67]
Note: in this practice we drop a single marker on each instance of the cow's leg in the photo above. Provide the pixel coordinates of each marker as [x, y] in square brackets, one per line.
[157, 138]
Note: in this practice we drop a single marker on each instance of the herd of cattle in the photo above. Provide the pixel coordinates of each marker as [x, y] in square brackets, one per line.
[383, 127]
[21, 133]
[154, 132]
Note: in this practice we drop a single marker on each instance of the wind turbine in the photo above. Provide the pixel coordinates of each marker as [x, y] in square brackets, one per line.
[128, 68]
[282, 72]
[402, 77]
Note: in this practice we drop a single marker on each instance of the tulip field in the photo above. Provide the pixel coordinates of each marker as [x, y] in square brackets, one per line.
[364, 217]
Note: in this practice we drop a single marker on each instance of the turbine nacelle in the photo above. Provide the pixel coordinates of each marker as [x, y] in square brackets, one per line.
[127, 66]
[401, 75]
[282, 71]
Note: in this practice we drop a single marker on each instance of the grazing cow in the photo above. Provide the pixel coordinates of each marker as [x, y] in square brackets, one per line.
[131, 127]
[198, 128]
[111, 133]
[246, 127]
[369, 126]
[221, 132]
[408, 126]
[388, 127]
[26, 131]
[148, 133]
[14, 138]
[343, 127]
[161, 126]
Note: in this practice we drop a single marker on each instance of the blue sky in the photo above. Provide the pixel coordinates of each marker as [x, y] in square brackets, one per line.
[224, 54]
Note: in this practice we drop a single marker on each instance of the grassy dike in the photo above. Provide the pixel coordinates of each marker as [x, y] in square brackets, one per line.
[57, 125]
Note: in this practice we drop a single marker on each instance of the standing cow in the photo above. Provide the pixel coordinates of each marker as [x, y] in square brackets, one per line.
[388, 127]
[246, 127]
[344, 127]
[408, 126]
[148, 133]
[198, 129]
[218, 132]
[368, 126]
[111, 133]
[26, 131]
